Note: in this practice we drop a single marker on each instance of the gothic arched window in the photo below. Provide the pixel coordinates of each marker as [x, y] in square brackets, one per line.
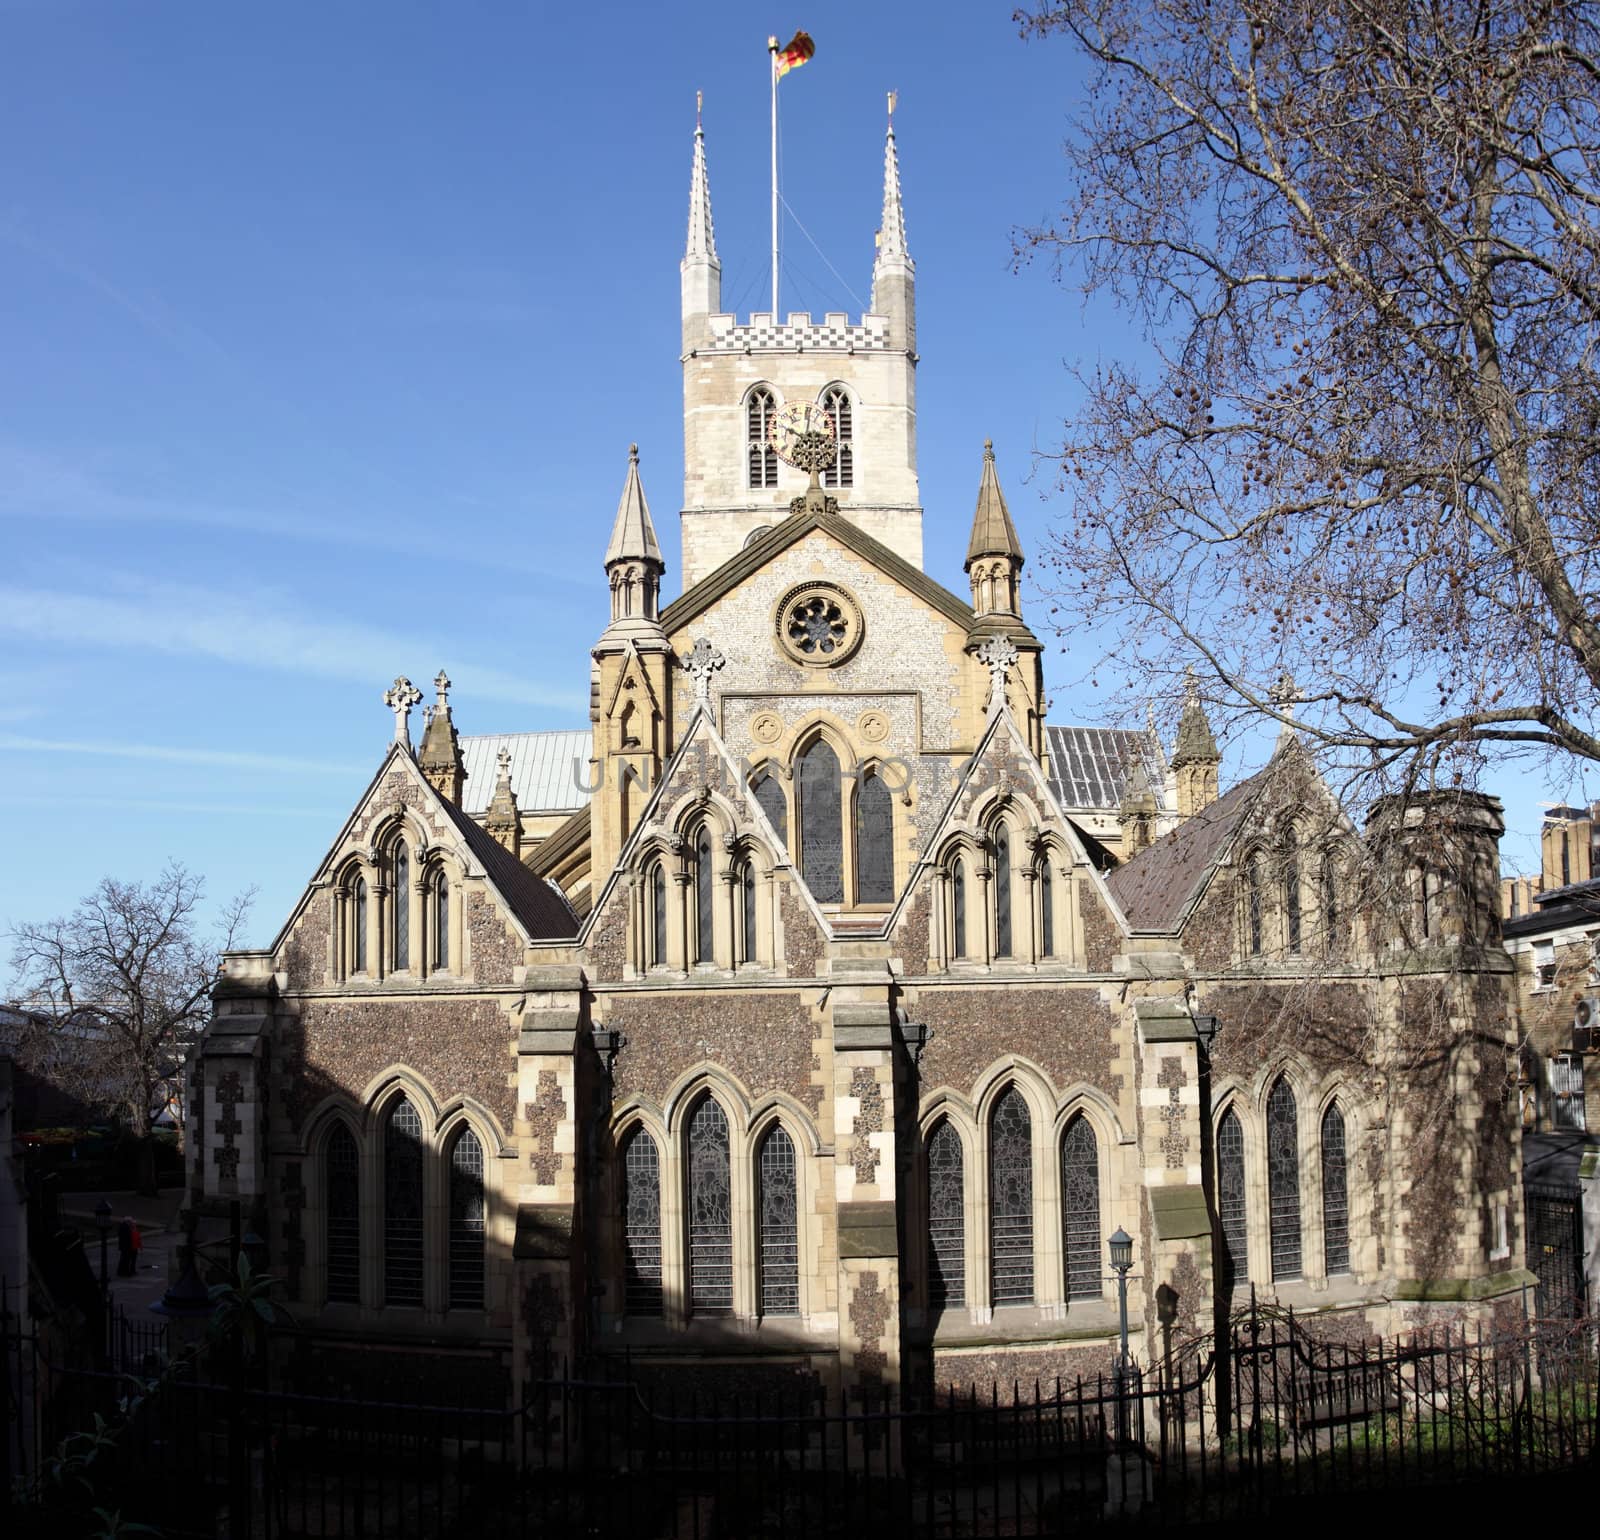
[1291, 894]
[842, 473]
[343, 1217]
[1002, 894]
[874, 842]
[769, 797]
[1283, 1179]
[1335, 1194]
[402, 1206]
[780, 1246]
[1330, 897]
[358, 908]
[1011, 1201]
[821, 828]
[641, 1225]
[947, 1211]
[402, 907]
[958, 909]
[747, 911]
[760, 411]
[704, 920]
[441, 921]
[710, 1210]
[1253, 883]
[466, 1222]
[1231, 1207]
[1080, 1209]
[1047, 912]
[658, 916]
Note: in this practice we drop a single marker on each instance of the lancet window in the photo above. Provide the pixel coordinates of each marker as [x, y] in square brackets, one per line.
[874, 841]
[1047, 912]
[641, 1225]
[710, 1211]
[821, 829]
[343, 1217]
[704, 886]
[1335, 1194]
[1291, 895]
[358, 924]
[1080, 1209]
[947, 1270]
[958, 909]
[466, 1222]
[760, 412]
[1283, 1179]
[1002, 894]
[441, 921]
[1330, 897]
[780, 1247]
[401, 902]
[842, 473]
[1231, 1204]
[747, 910]
[1254, 880]
[402, 1206]
[657, 900]
[1011, 1201]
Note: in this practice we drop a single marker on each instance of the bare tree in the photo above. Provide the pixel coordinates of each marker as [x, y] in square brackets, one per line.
[119, 990]
[1362, 239]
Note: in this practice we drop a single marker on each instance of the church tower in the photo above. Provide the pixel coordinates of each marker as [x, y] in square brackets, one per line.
[737, 375]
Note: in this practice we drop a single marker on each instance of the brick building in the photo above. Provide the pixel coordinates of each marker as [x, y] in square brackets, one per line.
[829, 1020]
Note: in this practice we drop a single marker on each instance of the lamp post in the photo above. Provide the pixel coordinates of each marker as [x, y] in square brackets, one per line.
[102, 1219]
[1125, 1472]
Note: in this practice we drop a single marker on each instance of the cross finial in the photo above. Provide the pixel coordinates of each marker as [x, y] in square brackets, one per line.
[503, 762]
[894, 98]
[441, 682]
[699, 104]
[997, 655]
[1191, 684]
[701, 662]
[1283, 694]
[400, 697]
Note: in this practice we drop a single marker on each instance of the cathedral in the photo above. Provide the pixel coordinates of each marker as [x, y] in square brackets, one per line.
[821, 1011]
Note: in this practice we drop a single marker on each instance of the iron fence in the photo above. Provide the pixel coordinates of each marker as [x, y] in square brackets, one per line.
[1224, 1431]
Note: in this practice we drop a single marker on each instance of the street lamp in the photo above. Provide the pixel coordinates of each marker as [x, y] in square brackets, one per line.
[1121, 1245]
[102, 1218]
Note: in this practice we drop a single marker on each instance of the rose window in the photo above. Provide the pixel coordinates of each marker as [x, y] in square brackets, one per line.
[819, 625]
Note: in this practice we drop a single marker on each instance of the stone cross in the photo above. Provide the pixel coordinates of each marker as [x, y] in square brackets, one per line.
[997, 655]
[502, 762]
[701, 662]
[400, 697]
[1283, 696]
[441, 682]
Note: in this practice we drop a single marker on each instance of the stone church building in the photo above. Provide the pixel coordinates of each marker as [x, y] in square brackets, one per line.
[823, 1010]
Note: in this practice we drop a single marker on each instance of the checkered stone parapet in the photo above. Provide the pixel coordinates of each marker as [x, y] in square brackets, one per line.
[833, 332]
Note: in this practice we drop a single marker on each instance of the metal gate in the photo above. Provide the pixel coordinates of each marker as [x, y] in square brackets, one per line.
[1555, 1249]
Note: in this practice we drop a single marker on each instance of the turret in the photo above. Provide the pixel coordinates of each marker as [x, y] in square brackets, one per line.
[1195, 759]
[1438, 857]
[503, 820]
[633, 563]
[440, 754]
[894, 274]
[1137, 815]
[700, 271]
[994, 554]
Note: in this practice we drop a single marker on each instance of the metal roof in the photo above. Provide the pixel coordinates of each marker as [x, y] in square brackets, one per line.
[1089, 766]
[549, 771]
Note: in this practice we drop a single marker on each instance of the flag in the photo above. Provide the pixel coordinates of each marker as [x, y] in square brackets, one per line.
[794, 53]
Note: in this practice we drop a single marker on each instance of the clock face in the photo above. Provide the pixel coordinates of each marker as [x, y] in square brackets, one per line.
[802, 434]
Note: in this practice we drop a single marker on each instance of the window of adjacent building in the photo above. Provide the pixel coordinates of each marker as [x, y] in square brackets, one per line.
[1231, 1203]
[780, 1248]
[1047, 913]
[358, 904]
[402, 907]
[947, 1267]
[402, 1206]
[1566, 859]
[641, 1225]
[704, 923]
[1566, 1091]
[441, 921]
[1283, 1180]
[710, 1211]
[466, 1222]
[1544, 964]
[821, 828]
[874, 841]
[343, 1234]
[658, 916]
[1002, 894]
[1335, 1194]
[1011, 1201]
[760, 411]
[1080, 1209]
[842, 473]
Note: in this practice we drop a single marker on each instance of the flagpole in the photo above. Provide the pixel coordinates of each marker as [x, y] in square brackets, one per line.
[772, 51]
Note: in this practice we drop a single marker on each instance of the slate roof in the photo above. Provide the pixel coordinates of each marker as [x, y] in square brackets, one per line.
[542, 771]
[1089, 766]
[535, 901]
[1155, 886]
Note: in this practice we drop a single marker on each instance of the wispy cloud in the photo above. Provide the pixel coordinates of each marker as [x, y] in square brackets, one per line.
[265, 632]
[146, 804]
[223, 758]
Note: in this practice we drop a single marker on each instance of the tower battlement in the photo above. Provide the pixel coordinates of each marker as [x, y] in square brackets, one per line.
[833, 332]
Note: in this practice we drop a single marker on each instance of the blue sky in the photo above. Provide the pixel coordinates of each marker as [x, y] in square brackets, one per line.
[325, 330]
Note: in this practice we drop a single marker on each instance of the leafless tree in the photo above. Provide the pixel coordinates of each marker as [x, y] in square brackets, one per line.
[120, 989]
[1362, 240]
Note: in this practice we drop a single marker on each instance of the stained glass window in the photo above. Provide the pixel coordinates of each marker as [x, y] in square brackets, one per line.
[1011, 1200]
[710, 1210]
[704, 924]
[466, 1222]
[747, 901]
[947, 1210]
[874, 842]
[1335, 1194]
[780, 1247]
[1291, 896]
[958, 908]
[441, 921]
[760, 412]
[641, 1225]
[842, 473]
[402, 1206]
[1231, 1196]
[1002, 895]
[402, 907]
[769, 794]
[1253, 904]
[821, 829]
[1080, 1209]
[1283, 1179]
[1330, 896]
[343, 1217]
[1047, 913]
[658, 916]
[359, 906]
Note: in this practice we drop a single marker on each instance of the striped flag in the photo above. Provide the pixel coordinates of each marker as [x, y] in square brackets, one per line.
[794, 53]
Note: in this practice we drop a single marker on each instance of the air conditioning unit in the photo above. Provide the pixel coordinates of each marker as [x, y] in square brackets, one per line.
[1585, 1023]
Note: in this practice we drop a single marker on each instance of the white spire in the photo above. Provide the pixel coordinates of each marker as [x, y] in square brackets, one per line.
[702, 243]
[892, 229]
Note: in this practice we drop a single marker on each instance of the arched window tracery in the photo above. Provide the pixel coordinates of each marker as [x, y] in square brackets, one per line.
[467, 1218]
[958, 908]
[1002, 893]
[1254, 882]
[441, 920]
[1335, 1193]
[778, 1200]
[402, 1206]
[704, 887]
[1283, 1179]
[1231, 1196]
[947, 1209]
[641, 1225]
[747, 910]
[358, 906]
[821, 829]
[1291, 894]
[401, 900]
[836, 403]
[342, 1233]
[760, 411]
[1011, 1200]
[658, 915]
[1080, 1209]
[1047, 911]
[874, 841]
[710, 1210]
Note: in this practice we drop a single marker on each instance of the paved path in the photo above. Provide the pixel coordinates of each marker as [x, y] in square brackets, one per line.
[157, 1219]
